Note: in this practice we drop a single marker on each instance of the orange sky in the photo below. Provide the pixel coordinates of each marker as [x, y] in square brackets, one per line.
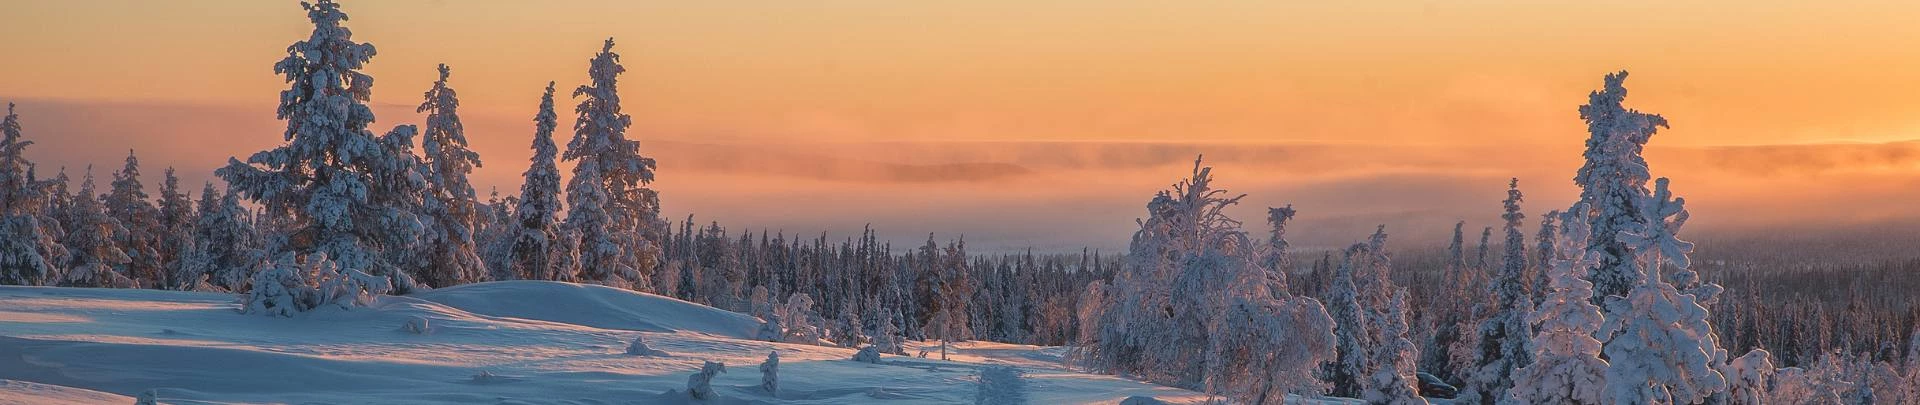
[190, 82]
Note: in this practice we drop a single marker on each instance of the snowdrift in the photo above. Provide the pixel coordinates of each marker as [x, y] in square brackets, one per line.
[592, 305]
[520, 342]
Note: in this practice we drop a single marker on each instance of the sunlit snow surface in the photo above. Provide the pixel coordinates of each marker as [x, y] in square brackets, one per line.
[535, 342]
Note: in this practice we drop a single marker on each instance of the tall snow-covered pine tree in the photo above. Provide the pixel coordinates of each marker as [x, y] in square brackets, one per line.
[535, 243]
[29, 252]
[454, 258]
[1504, 334]
[333, 188]
[609, 207]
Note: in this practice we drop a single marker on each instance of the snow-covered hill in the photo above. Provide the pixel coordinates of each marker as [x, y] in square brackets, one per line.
[501, 342]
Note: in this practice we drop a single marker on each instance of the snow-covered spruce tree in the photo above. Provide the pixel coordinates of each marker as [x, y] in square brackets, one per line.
[1566, 367]
[1504, 335]
[609, 205]
[127, 202]
[1663, 349]
[1822, 384]
[1091, 310]
[799, 321]
[29, 252]
[770, 374]
[226, 245]
[700, 385]
[496, 228]
[1747, 378]
[92, 254]
[1544, 254]
[175, 234]
[453, 258]
[772, 328]
[1450, 345]
[1276, 259]
[1349, 372]
[886, 336]
[1480, 259]
[1192, 306]
[1613, 181]
[1885, 384]
[1393, 382]
[849, 330]
[196, 259]
[721, 278]
[334, 188]
[54, 219]
[398, 195]
[535, 244]
[760, 302]
[951, 321]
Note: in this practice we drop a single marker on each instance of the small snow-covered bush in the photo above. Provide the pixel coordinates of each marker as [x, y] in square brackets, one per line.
[639, 347]
[867, 354]
[1001, 385]
[417, 325]
[289, 285]
[700, 385]
[770, 329]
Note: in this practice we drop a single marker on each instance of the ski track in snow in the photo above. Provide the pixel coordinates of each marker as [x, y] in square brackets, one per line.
[517, 342]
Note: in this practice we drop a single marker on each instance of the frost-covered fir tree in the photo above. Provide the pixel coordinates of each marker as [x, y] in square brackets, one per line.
[496, 228]
[54, 218]
[175, 238]
[1276, 259]
[850, 330]
[453, 257]
[226, 246]
[1392, 381]
[535, 244]
[1351, 369]
[951, 322]
[770, 374]
[886, 335]
[609, 205]
[1613, 182]
[1566, 367]
[1544, 254]
[1823, 383]
[93, 257]
[1504, 335]
[1663, 349]
[1748, 376]
[1448, 352]
[798, 320]
[700, 385]
[334, 188]
[127, 202]
[29, 250]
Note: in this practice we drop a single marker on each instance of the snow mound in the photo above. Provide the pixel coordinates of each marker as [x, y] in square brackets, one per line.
[45, 394]
[593, 306]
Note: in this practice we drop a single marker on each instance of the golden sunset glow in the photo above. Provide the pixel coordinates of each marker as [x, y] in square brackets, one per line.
[786, 115]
